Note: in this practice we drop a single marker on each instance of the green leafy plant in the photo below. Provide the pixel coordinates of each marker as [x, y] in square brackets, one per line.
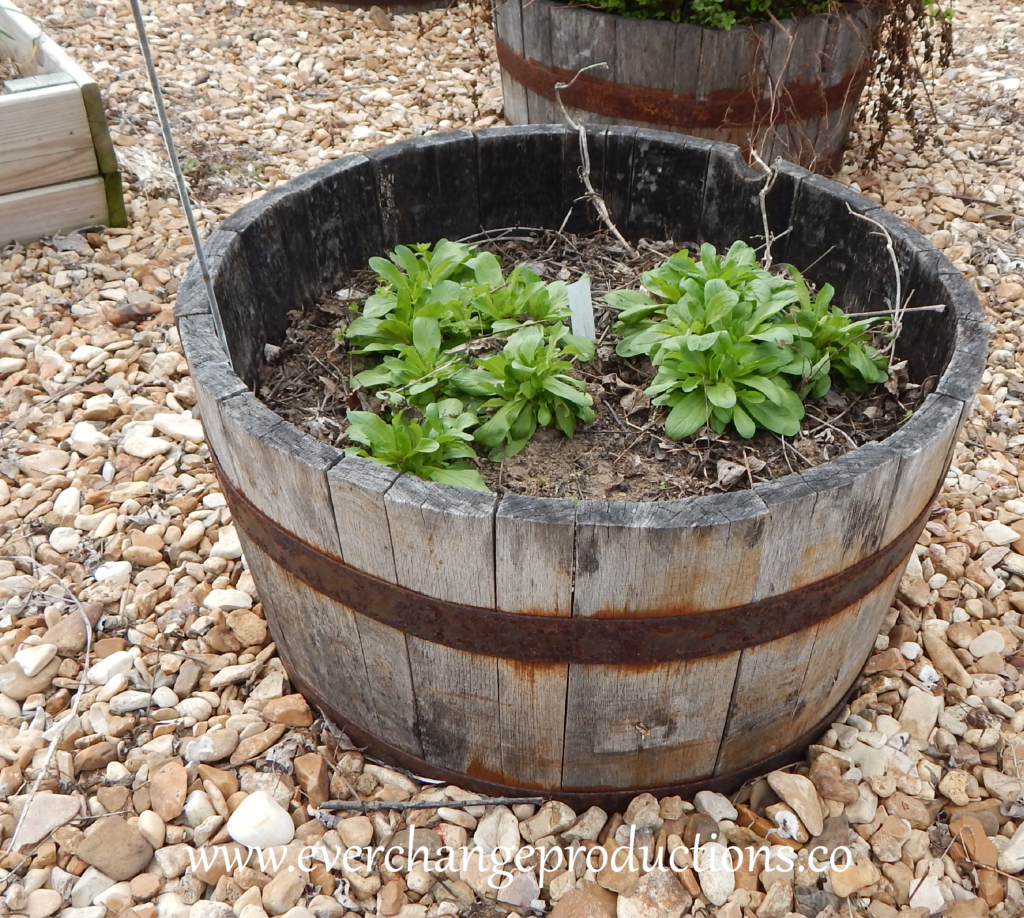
[529, 384]
[435, 448]
[735, 344]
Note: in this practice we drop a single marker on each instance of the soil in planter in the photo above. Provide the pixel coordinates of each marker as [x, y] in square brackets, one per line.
[624, 454]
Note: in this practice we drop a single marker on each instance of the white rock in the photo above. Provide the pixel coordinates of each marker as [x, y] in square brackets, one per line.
[920, 712]
[123, 888]
[199, 708]
[498, 829]
[717, 881]
[260, 822]
[64, 539]
[113, 572]
[34, 657]
[164, 697]
[215, 500]
[987, 642]
[125, 702]
[1012, 858]
[193, 534]
[152, 828]
[47, 812]
[230, 675]
[180, 426]
[927, 894]
[138, 441]
[90, 884]
[715, 805]
[9, 708]
[1000, 534]
[86, 352]
[911, 650]
[119, 663]
[227, 544]
[68, 502]
[85, 438]
[198, 808]
[227, 600]
[9, 365]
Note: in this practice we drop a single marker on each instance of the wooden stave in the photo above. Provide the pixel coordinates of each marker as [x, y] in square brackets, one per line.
[220, 392]
[764, 54]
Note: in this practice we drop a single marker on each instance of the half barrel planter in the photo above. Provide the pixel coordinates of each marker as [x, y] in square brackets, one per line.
[786, 88]
[586, 649]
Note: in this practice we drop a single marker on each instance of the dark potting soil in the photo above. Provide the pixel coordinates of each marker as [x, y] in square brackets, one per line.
[624, 454]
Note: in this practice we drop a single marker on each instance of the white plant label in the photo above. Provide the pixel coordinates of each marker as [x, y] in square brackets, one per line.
[581, 308]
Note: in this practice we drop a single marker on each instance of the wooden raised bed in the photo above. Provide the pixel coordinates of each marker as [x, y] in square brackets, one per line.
[785, 88]
[58, 171]
[589, 649]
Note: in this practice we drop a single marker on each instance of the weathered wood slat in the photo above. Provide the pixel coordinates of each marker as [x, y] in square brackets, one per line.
[508, 19]
[357, 493]
[533, 551]
[443, 540]
[27, 215]
[579, 41]
[537, 30]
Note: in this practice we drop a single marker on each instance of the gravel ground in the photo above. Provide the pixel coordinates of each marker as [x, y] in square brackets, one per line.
[178, 725]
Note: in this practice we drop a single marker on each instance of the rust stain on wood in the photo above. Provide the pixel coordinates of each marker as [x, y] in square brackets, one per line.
[793, 102]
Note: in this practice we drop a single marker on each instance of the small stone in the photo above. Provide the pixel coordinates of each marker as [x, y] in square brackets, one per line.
[227, 544]
[580, 903]
[955, 784]
[126, 702]
[15, 684]
[800, 794]
[179, 426]
[717, 881]
[260, 822]
[290, 710]
[498, 829]
[113, 572]
[945, 660]
[552, 818]
[283, 891]
[43, 463]
[1011, 860]
[247, 626]
[152, 828]
[658, 895]
[969, 830]
[88, 886]
[46, 813]
[587, 827]
[115, 847]
[999, 534]
[32, 658]
[119, 663]
[43, 902]
[212, 746]
[64, 539]
[231, 675]
[313, 775]
[715, 805]
[356, 831]
[254, 746]
[644, 812]
[927, 893]
[227, 600]
[167, 790]
[920, 712]
[857, 876]
[987, 642]
[521, 890]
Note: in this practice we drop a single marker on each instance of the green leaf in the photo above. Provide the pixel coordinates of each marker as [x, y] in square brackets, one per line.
[721, 394]
[688, 416]
[745, 427]
[426, 334]
[463, 478]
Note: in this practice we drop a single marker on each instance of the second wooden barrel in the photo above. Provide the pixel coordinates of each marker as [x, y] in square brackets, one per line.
[785, 88]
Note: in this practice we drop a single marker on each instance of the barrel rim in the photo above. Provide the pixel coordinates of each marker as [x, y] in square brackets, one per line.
[210, 367]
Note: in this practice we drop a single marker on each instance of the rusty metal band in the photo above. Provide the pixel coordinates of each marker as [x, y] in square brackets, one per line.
[793, 102]
[636, 641]
[609, 798]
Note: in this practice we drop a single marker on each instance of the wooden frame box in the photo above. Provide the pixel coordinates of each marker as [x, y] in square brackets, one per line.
[58, 170]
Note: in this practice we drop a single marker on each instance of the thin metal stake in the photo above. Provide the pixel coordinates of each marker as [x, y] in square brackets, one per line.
[179, 177]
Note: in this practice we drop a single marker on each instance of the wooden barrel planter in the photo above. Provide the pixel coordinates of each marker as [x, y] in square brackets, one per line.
[587, 649]
[786, 88]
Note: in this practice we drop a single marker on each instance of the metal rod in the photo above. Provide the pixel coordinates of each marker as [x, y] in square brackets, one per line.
[371, 806]
[179, 177]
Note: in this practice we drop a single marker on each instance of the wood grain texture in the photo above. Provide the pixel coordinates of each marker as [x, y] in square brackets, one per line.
[581, 38]
[508, 26]
[537, 26]
[443, 540]
[46, 139]
[357, 488]
[533, 552]
[27, 215]
[658, 724]
[832, 520]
